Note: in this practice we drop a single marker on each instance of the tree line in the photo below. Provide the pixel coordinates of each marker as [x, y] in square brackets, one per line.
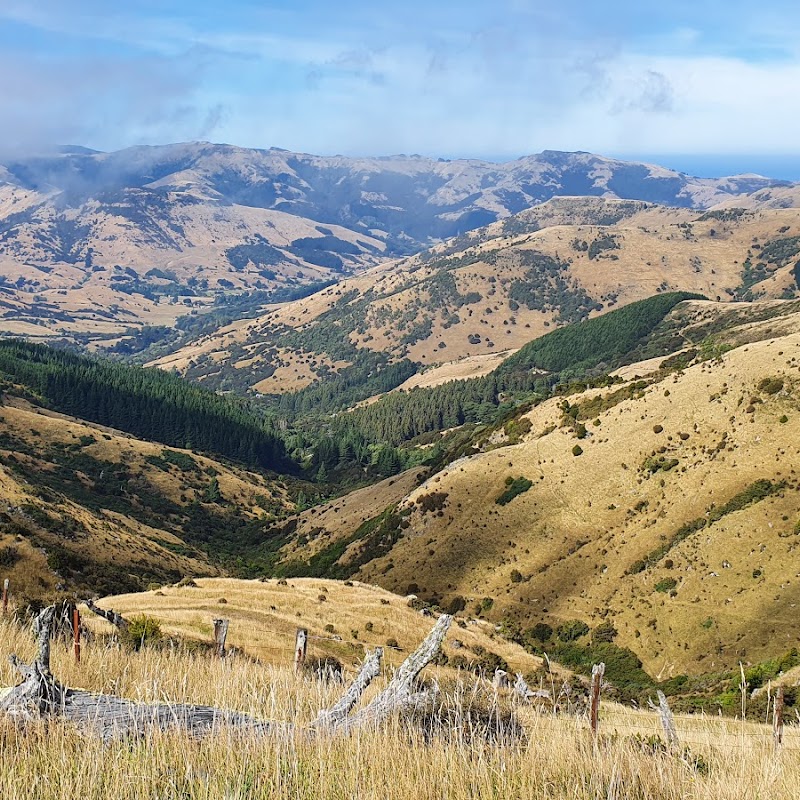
[148, 403]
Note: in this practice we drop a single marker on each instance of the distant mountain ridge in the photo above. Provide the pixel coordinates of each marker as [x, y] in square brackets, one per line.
[411, 200]
[94, 243]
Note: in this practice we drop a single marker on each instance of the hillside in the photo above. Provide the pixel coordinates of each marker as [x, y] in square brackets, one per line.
[94, 245]
[88, 508]
[454, 309]
[342, 621]
[667, 506]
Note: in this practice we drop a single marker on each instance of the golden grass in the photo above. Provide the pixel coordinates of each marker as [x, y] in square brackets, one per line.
[266, 615]
[586, 520]
[50, 761]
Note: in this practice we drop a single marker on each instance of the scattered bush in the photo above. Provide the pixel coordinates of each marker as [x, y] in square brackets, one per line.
[771, 385]
[572, 630]
[577, 450]
[141, 631]
[666, 585]
[604, 632]
[514, 486]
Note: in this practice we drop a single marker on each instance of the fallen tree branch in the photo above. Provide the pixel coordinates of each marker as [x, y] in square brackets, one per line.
[108, 716]
[342, 707]
[117, 620]
[398, 695]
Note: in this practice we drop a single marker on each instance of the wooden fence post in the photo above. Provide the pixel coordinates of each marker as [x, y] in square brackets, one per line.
[76, 633]
[667, 720]
[220, 634]
[777, 718]
[5, 596]
[598, 670]
[300, 649]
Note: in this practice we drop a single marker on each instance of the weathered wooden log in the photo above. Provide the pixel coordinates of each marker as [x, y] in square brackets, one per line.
[117, 620]
[398, 695]
[108, 716]
[344, 705]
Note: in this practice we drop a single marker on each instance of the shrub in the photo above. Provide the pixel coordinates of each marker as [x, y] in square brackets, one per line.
[540, 632]
[666, 585]
[572, 630]
[577, 450]
[458, 603]
[771, 385]
[488, 662]
[604, 632]
[516, 576]
[187, 583]
[514, 486]
[393, 643]
[141, 631]
[9, 556]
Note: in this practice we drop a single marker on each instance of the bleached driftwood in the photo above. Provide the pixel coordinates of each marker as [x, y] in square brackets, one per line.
[40, 695]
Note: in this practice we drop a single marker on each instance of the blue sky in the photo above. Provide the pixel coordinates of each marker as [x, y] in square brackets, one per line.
[498, 79]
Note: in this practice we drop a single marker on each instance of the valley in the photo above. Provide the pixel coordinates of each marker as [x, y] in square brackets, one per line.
[573, 422]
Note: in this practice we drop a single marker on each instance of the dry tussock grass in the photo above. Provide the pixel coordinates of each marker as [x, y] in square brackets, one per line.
[556, 760]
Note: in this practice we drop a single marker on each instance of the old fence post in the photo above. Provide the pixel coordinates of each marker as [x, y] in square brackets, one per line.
[300, 649]
[667, 721]
[5, 596]
[598, 670]
[76, 633]
[500, 680]
[220, 634]
[777, 718]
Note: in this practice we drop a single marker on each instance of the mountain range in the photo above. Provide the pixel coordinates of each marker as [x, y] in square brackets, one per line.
[94, 243]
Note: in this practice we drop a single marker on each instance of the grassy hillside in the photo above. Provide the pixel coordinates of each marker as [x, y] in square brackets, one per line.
[89, 508]
[495, 289]
[342, 620]
[666, 505]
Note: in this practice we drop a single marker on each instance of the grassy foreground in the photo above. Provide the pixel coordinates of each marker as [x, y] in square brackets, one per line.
[48, 761]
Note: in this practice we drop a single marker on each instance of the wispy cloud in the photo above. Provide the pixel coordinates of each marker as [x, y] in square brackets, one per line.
[504, 78]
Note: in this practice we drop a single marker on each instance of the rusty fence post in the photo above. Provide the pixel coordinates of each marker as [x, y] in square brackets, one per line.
[76, 633]
[300, 649]
[220, 635]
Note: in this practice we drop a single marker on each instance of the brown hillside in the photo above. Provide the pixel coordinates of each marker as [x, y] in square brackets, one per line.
[84, 507]
[656, 457]
[342, 620]
[497, 288]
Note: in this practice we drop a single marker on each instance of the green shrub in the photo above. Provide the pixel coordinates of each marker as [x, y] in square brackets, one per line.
[771, 385]
[577, 450]
[666, 585]
[540, 632]
[604, 632]
[572, 630]
[514, 486]
[458, 603]
[141, 631]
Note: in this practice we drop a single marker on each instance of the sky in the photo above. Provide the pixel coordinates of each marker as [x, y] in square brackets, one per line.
[708, 83]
